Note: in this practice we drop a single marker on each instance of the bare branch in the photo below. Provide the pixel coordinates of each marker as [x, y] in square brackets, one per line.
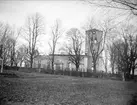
[56, 33]
[34, 28]
[74, 48]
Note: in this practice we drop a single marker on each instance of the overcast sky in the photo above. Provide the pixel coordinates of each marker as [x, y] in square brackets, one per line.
[71, 13]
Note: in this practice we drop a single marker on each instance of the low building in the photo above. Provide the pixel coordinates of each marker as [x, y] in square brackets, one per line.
[41, 61]
[62, 62]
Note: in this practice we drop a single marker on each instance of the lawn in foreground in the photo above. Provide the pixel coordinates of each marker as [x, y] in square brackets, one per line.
[44, 89]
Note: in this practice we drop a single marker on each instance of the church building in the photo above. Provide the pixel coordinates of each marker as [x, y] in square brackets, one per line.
[93, 43]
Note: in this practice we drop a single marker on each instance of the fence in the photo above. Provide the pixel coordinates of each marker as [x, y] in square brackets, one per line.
[98, 74]
[68, 72]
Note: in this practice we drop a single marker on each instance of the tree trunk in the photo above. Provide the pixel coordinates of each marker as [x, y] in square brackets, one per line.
[52, 66]
[77, 67]
[129, 69]
[31, 61]
[94, 66]
[16, 64]
[133, 73]
[106, 68]
[106, 65]
[112, 69]
[133, 70]
[123, 76]
[52, 62]
[11, 63]
[21, 63]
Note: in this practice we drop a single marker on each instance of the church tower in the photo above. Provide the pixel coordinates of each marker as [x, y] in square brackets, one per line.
[94, 39]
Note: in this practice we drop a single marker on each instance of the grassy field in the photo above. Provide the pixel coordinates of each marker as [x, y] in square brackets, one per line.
[45, 89]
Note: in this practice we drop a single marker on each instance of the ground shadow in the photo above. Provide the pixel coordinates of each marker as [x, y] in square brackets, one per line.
[133, 101]
[9, 75]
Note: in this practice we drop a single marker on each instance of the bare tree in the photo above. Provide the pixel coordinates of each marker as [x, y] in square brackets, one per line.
[56, 32]
[112, 57]
[126, 51]
[6, 43]
[121, 57]
[95, 42]
[14, 52]
[11, 48]
[130, 39]
[33, 30]
[128, 5]
[108, 27]
[90, 24]
[4, 32]
[74, 47]
[21, 55]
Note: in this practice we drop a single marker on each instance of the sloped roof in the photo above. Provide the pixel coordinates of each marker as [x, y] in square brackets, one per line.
[92, 30]
[62, 55]
[41, 57]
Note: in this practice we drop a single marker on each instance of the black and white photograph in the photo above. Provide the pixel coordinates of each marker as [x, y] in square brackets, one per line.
[68, 52]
